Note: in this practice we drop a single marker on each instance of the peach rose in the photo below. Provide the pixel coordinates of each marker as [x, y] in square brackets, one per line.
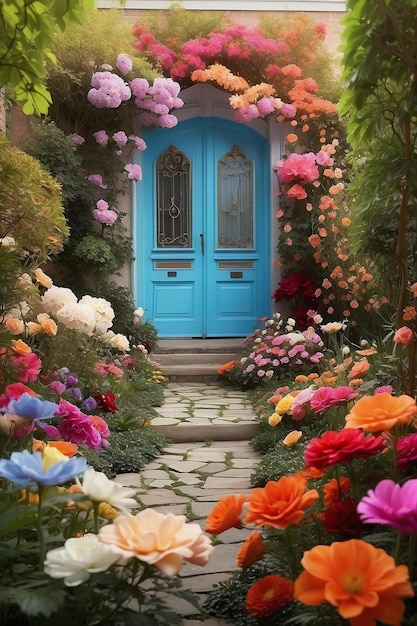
[20, 347]
[404, 336]
[42, 278]
[161, 540]
[14, 325]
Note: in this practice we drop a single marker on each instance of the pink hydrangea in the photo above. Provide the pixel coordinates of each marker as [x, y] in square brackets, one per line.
[265, 106]
[101, 137]
[77, 139]
[97, 179]
[140, 143]
[108, 90]
[120, 138]
[139, 87]
[134, 172]
[124, 63]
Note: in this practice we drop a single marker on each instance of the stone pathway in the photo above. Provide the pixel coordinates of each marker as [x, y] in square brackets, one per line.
[198, 466]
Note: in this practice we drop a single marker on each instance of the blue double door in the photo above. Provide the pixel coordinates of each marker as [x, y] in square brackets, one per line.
[202, 229]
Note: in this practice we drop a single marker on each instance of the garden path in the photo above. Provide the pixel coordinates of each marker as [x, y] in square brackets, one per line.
[208, 455]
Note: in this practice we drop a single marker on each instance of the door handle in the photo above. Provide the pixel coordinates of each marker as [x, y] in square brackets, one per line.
[202, 243]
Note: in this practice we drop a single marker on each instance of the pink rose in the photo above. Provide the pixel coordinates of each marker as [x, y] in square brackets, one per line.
[404, 336]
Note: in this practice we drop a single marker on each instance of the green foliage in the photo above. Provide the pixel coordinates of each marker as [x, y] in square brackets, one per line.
[30, 206]
[129, 451]
[96, 253]
[278, 462]
[26, 33]
[57, 153]
[380, 100]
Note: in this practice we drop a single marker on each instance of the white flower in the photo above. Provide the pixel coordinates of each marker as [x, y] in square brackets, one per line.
[139, 312]
[78, 558]
[80, 317]
[8, 242]
[99, 488]
[56, 297]
[291, 321]
[333, 327]
[120, 342]
[103, 312]
[345, 350]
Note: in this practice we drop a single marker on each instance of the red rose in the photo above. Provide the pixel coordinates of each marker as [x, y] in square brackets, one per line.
[106, 401]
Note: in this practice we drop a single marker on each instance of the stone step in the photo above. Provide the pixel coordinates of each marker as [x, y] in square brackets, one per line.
[199, 346]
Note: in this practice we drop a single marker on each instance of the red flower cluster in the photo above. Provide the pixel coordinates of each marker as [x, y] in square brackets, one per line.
[291, 285]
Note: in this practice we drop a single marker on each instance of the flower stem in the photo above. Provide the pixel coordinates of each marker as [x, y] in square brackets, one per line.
[411, 555]
[39, 529]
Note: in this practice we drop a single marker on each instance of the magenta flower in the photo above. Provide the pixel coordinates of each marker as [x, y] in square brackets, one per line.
[134, 172]
[406, 451]
[77, 427]
[326, 397]
[391, 504]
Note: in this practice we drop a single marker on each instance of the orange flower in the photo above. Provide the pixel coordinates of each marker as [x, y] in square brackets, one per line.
[381, 412]
[280, 503]
[359, 368]
[226, 514]
[292, 438]
[268, 595]
[335, 489]
[65, 447]
[226, 367]
[42, 278]
[251, 550]
[20, 347]
[361, 581]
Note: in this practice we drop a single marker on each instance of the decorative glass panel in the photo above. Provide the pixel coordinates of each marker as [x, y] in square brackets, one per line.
[235, 200]
[173, 200]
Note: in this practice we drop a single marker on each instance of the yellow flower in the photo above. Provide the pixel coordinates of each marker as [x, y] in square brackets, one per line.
[284, 405]
[274, 419]
[292, 438]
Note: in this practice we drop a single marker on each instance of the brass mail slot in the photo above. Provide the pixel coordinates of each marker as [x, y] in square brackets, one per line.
[172, 274]
[236, 274]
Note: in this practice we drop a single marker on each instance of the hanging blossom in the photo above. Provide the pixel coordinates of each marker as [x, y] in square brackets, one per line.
[134, 172]
[103, 214]
[108, 90]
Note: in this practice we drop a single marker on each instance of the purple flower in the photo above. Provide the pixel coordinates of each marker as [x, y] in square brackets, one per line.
[72, 380]
[89, 404]
[108, 90]
[134, 172]
[76, 392]
[77, 139]
[391, 504]
[123, 63]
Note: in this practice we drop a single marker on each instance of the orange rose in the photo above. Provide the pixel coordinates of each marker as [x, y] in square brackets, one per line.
[226, 367]
[65, 447]
[20, 347]
[251, 550]
[280, 503]
[361, 581]
[381, 412]
[226, 514]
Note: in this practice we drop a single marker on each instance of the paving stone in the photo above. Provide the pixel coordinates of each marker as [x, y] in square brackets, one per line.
[232, 484]
[185, 466]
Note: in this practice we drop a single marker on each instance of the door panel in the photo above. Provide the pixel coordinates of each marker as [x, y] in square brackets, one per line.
[212, 280]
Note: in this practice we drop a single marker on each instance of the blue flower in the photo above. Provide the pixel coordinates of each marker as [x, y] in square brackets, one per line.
[31, 407]
[24, 468]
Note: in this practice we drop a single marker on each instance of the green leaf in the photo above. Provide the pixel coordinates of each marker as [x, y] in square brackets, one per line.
[34, 601]
[14, 518]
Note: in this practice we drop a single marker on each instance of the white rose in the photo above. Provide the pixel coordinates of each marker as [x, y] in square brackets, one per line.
[77, 316]
[99, 488]
[78, 558]
[56, 297]
[103, 312]
[120, 342]
[138, 313]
